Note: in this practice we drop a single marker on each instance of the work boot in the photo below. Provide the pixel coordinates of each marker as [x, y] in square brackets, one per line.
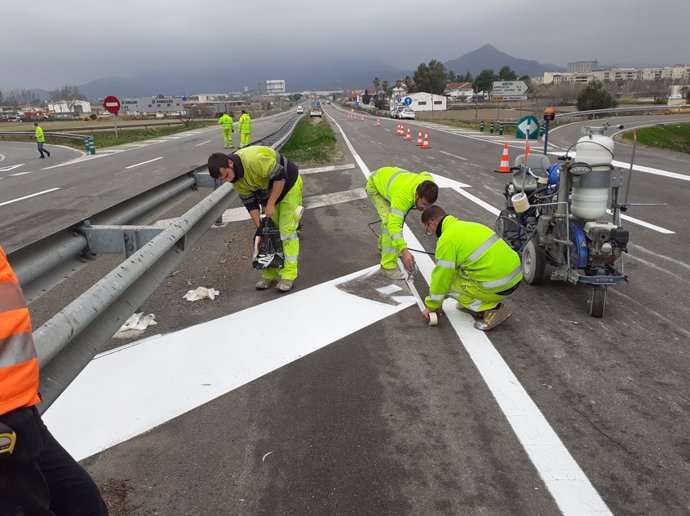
[48, 153]
[263, 284]
[284, 285]
[493, 318]
[394, 274]
[476, 315]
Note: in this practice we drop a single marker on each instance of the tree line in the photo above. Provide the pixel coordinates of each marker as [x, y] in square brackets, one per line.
[17, 97]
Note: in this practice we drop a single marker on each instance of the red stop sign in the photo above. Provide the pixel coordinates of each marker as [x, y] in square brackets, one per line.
[111, 104]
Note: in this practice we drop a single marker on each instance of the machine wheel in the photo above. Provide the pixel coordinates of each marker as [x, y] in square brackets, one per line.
[533, 263]
[597, 302]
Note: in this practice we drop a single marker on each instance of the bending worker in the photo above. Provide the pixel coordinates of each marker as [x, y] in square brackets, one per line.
[264, 178]
[37, 475]
[474, 266]
[228, 128]
[244, 126]
[394, 192]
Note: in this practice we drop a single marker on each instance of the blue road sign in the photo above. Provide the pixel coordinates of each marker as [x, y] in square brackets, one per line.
[408, 101]
[398, 99]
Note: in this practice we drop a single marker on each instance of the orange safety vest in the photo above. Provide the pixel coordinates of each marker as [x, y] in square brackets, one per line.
[18, 360]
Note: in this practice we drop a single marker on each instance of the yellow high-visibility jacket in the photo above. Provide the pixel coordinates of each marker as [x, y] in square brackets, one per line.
[227, 122]
[39, 135]
[244, 124]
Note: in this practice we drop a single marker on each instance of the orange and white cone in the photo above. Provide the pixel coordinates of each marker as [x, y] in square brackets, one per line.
[408, 138]
[425, 143]
[419, 139]
[504, 167]
[378, 122]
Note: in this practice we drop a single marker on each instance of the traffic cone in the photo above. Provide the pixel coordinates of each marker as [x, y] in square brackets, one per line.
[378, 122]
[399, 130]
[409, 135]
[419, 139]
[504, 167]
[425, 143]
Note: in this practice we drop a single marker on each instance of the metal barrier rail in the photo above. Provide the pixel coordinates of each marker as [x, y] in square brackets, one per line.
[31, 134]
[70, 339]
[616, 111]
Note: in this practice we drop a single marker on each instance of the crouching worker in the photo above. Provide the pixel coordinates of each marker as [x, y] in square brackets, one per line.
[264, 179]
[393, 192]
[474, 266]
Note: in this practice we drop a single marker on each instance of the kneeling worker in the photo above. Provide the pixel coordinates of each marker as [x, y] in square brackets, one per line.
[394, 192]
[264, 178]
[473, 266]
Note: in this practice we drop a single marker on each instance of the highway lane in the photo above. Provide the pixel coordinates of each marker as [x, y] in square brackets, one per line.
[395, 418]
[76, 189]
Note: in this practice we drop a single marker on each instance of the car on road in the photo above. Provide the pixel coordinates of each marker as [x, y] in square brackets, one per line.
[300, 110]
[406, 114]
[316, 111]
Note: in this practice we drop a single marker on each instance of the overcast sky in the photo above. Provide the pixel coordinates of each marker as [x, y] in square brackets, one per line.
[49, 44]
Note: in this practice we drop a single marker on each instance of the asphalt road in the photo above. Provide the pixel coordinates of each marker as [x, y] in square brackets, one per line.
[399, 418]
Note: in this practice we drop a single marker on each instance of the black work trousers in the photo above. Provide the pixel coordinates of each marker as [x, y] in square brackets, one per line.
[40, 478]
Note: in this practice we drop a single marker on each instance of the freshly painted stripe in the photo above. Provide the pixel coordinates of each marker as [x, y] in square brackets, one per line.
[332, 168]
[144, 162]
[650, 170]
[28, 196]
[478, 201]
[21, 173]
[201, 363]
[202, 143]
[645, 224]
[453, 155]
[11, 167]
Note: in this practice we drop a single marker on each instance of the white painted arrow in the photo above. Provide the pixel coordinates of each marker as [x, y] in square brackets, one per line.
[528, 126]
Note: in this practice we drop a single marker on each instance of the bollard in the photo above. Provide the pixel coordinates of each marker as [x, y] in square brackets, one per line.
[90, 145]
[481, 126]
[491, 127]
[500, 128]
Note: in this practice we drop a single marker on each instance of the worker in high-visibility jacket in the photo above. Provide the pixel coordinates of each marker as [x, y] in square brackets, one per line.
[40, 140]
[37, 476]
[394, 192]
[266, 180]
[474, 266]
[228, 125]
[244, 126]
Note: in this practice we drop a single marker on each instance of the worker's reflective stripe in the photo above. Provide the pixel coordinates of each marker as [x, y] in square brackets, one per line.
[390, 181]
[288, 237]
[11, 297]
[373, 175]
[475, 305]
[16, 349]
[384, 231]
[389, 250]
[291, 258]
[396, 211]
[503, 281]
[396, 236]
[437, 297]
[453, 295]
[445, 263]
[280, 164]
[481, 249]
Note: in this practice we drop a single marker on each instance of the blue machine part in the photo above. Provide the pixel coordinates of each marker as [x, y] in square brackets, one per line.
[579, 253]
[554, 174]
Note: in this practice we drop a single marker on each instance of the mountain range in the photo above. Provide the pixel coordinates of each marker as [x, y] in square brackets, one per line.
[332, 74]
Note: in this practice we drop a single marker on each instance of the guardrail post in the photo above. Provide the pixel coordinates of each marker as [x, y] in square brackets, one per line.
[491, 127]
[500, 128]
[481, 126]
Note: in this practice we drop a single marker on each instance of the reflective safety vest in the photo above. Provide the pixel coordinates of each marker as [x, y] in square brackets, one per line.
[474, 252]
[398, 187]
[244, 124]
[39, 135]
[18, 360]
[226, 121]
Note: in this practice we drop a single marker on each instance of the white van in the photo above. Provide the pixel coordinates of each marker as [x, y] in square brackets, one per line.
[300, 110]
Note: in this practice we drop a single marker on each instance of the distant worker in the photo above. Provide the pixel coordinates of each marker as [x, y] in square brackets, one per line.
[264, 178]
[37, 475]
[228, 128]
[394, 192]
[474, 266]
[244, 126]
[40, 140]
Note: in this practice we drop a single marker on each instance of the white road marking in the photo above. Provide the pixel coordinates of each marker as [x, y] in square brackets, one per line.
[453, 155]
[21, 173]
[11, 167]
[565, 480]
[144, 162]
[332, 168]
[28, 196]
[201, 363]
[647, 224]
[202, 143]
[2, 157]
[661, 256]
[650, 170]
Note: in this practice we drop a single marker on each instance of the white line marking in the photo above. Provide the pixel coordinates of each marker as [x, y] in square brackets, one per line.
[202, 362]
[144, 162]
[453, 155]
[2, 157]
[645, 224]
[478, 201]
[20, 173]
[11, 167]
[567, 483]
[332, 168]
[667, 258]
[202, 143]
[650, 170]
[28, 196]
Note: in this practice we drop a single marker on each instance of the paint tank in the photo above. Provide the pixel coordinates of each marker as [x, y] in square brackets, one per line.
[590, 193]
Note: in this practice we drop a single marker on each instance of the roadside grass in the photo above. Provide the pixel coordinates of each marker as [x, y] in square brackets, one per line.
[674, 137]
[311, 143]
[467, 124]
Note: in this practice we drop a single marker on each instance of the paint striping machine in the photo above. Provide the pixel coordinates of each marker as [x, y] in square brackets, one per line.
[555, 213]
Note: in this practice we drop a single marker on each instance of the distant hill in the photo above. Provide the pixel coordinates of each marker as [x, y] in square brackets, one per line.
[489, 57]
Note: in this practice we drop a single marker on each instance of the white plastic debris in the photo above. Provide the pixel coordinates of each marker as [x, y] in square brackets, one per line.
[135, 324]
[201, 293]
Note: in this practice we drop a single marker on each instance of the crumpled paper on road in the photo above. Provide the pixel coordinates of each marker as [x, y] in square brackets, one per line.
[201, 293]
[135, 324]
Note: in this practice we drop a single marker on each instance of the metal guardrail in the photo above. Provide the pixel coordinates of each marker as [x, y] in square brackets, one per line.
[52, 134]
[70, 339]
[615, 111]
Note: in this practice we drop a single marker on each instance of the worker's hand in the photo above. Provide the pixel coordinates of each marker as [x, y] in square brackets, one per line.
[408, 260]
[270, 210]
[425, 315]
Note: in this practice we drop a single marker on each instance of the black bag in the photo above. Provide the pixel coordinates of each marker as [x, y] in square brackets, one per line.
[268, 248]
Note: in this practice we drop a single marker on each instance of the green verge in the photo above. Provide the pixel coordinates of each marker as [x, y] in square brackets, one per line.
[675, 137]
[311, 143]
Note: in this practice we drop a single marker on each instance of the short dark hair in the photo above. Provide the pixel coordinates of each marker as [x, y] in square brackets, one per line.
[433, 212]
[428, 190]
[216, 161]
